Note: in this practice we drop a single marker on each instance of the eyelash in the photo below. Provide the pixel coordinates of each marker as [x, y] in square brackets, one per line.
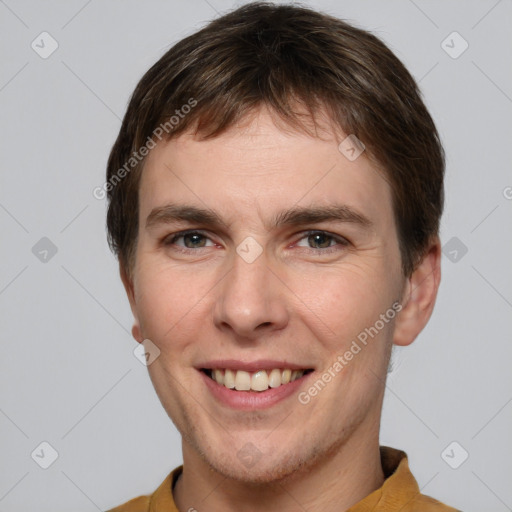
[171, 240]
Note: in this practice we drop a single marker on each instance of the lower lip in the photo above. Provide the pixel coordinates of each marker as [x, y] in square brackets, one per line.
[250, 400]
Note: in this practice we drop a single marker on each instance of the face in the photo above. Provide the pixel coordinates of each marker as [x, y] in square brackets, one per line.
[266, 250]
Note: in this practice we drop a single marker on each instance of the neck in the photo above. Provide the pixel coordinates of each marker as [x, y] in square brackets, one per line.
[333, 484]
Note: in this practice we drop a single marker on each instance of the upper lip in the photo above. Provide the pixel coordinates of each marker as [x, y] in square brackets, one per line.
[250, 366]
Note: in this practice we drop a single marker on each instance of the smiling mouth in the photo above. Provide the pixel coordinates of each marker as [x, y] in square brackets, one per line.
[260, 380]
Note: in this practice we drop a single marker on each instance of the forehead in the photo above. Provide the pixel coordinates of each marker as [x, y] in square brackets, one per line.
[261, 166]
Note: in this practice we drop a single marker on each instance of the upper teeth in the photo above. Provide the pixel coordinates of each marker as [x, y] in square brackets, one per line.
[255, 381]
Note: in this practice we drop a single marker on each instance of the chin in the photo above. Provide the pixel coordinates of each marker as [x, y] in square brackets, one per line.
[264, 471]
[278, 464]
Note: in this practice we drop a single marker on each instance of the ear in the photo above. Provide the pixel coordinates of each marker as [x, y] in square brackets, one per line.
[130, 292]
[419, 296]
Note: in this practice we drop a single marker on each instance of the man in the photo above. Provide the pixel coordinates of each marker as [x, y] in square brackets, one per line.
[274, 200]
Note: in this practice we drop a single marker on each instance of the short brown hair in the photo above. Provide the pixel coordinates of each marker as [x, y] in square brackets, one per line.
[278, 56]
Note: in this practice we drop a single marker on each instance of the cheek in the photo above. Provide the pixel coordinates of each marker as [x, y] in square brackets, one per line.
[342, 302]
[169, 300]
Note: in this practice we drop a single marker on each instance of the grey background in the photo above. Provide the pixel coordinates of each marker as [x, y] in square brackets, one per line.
[68, 373]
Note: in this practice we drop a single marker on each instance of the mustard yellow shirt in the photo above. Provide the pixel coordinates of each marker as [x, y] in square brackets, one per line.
[399, 492]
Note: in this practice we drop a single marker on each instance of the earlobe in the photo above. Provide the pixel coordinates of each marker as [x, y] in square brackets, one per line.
[137, 336]
[419, 296]
[130, 292]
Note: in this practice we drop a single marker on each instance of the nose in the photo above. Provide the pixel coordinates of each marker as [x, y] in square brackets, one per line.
[251, 300]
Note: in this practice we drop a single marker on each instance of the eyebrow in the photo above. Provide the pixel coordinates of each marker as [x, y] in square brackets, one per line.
[295, 216]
